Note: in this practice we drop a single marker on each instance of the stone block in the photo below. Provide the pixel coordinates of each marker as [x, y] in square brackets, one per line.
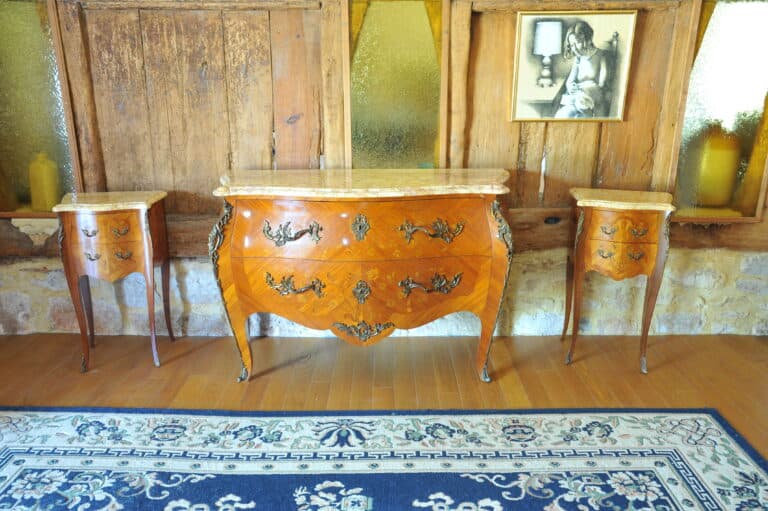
[755, 264]
[15, 311]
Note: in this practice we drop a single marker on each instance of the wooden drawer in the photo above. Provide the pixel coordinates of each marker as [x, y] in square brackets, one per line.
[359, 231]
[313, 293]
[108, 227]
[624, 226]
[109, 261]
[620, 260]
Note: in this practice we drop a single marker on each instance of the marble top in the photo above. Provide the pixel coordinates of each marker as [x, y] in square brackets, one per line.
[622, 199]
[364, 183]
[108, 201]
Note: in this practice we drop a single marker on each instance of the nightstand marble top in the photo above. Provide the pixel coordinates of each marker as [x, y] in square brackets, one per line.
[622, 199]
[108, 201]
[364, 183]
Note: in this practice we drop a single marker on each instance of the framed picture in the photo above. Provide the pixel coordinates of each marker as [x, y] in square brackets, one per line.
[572, 65]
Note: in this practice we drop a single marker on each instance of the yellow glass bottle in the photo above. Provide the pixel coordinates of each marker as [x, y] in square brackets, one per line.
[718, 164]
[43, 183]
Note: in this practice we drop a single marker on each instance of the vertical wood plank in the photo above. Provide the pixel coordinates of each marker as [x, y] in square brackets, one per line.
[627, 147]
[571, 154]
[461, 17]
[531, 149]
[492, 139]
[445, 66]
[295, 42]
[77, 62]
[332, 70]
[679, 64]
[117, 70]
[187, 94]
[249, 86]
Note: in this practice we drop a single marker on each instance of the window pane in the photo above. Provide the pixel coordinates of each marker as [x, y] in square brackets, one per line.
[31, 110]
[395, 83]
[725, 134]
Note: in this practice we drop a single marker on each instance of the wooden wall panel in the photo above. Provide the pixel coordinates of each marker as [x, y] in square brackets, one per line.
[117, 74]
[627, 147]
[296, 82]
[571, 151]
[249, 85]
[335, 83]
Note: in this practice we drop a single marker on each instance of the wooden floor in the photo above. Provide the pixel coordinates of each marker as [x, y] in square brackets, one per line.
[728, 373]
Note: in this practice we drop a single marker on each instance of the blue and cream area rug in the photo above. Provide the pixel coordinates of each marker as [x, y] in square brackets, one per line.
[550, 460]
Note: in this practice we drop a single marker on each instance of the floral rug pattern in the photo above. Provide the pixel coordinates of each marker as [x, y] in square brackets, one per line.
[550, 460]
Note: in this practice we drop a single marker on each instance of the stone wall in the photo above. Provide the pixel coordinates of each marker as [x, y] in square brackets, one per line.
[710, 291]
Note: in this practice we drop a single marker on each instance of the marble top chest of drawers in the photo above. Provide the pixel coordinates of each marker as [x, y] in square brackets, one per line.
[362, 252]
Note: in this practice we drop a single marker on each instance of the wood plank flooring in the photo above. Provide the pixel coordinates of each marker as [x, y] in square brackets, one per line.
[729, 373]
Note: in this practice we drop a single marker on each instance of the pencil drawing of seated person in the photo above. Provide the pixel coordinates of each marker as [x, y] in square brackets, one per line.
[586, 92]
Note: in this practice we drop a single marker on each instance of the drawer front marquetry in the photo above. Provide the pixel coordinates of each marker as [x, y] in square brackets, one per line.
[620, 260]
[109, 261]
[107, 227]
[359, 230]
[624, 226]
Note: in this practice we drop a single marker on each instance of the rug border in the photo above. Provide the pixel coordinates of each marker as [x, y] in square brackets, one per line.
[759, 460]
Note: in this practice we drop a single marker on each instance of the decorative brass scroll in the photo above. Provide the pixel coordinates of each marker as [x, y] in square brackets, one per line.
[363, 330]
[604, 254]
[123, 255]
[286, 286]
[362, 291]
[608, 230]
[639, 233]
[360, 227]
[90, 234]
[440, 284]
[505, 233]
[440, 229]
[120, 232]
[92, 257]
[216, 238]
[283, 234]
[636, 256]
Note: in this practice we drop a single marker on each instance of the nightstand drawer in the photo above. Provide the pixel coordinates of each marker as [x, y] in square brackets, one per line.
[623, 226]
[106, 227]
[109, 261]
[620, 260]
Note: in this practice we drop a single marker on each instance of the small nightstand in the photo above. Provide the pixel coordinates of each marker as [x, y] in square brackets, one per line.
[109, 235]
[620, 234]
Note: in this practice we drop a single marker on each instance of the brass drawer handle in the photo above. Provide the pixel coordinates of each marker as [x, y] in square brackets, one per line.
[608, 230]
[636, 256]
[90, 234]
[287, 287]
[360, 227]
[283, 234]
[123, 256]
[120, 232]
[604, 254]
[639, 233]
[361, 291]
[440, 284]
[363, 330]
[92, 256]
[440, 229]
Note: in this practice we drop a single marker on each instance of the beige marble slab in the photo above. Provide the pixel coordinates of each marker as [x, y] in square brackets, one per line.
[622, 199]
[364, 183]
[108, 201]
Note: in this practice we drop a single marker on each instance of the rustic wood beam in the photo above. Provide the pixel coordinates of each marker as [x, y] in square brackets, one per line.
[569, 5]
[197, 5]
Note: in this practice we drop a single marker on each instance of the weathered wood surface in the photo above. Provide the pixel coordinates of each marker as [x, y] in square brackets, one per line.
[215, 5]
[569, 5]
[461, 18]
[333, 58]
[295, 39]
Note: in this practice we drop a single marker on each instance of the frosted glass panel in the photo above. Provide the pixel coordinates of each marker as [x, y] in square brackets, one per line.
[31, 110]
[395, 83]
[725, 132]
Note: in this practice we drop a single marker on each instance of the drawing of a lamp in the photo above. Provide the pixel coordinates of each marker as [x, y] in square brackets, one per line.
[547, 41]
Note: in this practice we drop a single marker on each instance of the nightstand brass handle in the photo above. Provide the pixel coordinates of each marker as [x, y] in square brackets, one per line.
[636, 256]
[90, 234]
[123, 255]
[604, 254]
[286, 286]
[92, 257]
[283, 234]
[120, 232]
[639, 233]
[440, 284]
[608, 230]
[440, 229]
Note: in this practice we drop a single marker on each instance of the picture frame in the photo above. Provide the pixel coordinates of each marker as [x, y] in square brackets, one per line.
[572, 65]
